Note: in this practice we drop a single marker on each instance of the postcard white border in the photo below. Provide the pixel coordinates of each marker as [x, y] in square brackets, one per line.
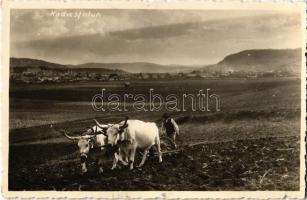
[117, 4]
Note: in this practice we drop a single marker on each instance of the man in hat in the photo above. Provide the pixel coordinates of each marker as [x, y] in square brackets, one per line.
[170, 127]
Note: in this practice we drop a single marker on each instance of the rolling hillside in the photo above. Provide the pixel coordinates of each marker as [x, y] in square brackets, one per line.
[28, 62]
[261, 61]
[137, 67]
[31, 63]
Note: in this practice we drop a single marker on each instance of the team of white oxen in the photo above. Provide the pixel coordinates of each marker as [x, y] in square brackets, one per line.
[117, 143]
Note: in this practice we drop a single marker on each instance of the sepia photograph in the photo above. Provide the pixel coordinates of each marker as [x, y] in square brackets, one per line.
[171, 99]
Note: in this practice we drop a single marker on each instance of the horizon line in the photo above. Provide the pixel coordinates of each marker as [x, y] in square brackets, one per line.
[169, 65]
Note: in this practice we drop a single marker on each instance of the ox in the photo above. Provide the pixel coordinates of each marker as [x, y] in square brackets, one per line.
[92, 143]
[132, 134]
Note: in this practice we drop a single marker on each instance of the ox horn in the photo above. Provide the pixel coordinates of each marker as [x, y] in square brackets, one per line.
[87, 136]
[100, 125]
[78, 137]
[65, 134]
[72, 137]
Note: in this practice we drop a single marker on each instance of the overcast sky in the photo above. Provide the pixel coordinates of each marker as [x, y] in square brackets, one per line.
[164, 37]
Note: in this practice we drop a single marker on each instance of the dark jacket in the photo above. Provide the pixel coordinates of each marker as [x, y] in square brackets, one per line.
[170, 126]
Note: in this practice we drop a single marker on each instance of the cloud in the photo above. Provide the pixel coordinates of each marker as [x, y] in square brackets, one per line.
[267, 24]
[154, 32]
[152, 36]
[58, 28]
[27, 24]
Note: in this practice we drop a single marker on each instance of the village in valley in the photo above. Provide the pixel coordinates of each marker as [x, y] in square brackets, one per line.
[246, 64]
[60, 75]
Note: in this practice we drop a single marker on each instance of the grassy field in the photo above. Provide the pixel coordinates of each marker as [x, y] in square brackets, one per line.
[251, 144]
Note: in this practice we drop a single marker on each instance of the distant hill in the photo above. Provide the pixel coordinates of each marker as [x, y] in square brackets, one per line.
[28, 62]
[138, 67]
[32, 63]
[262, 60]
